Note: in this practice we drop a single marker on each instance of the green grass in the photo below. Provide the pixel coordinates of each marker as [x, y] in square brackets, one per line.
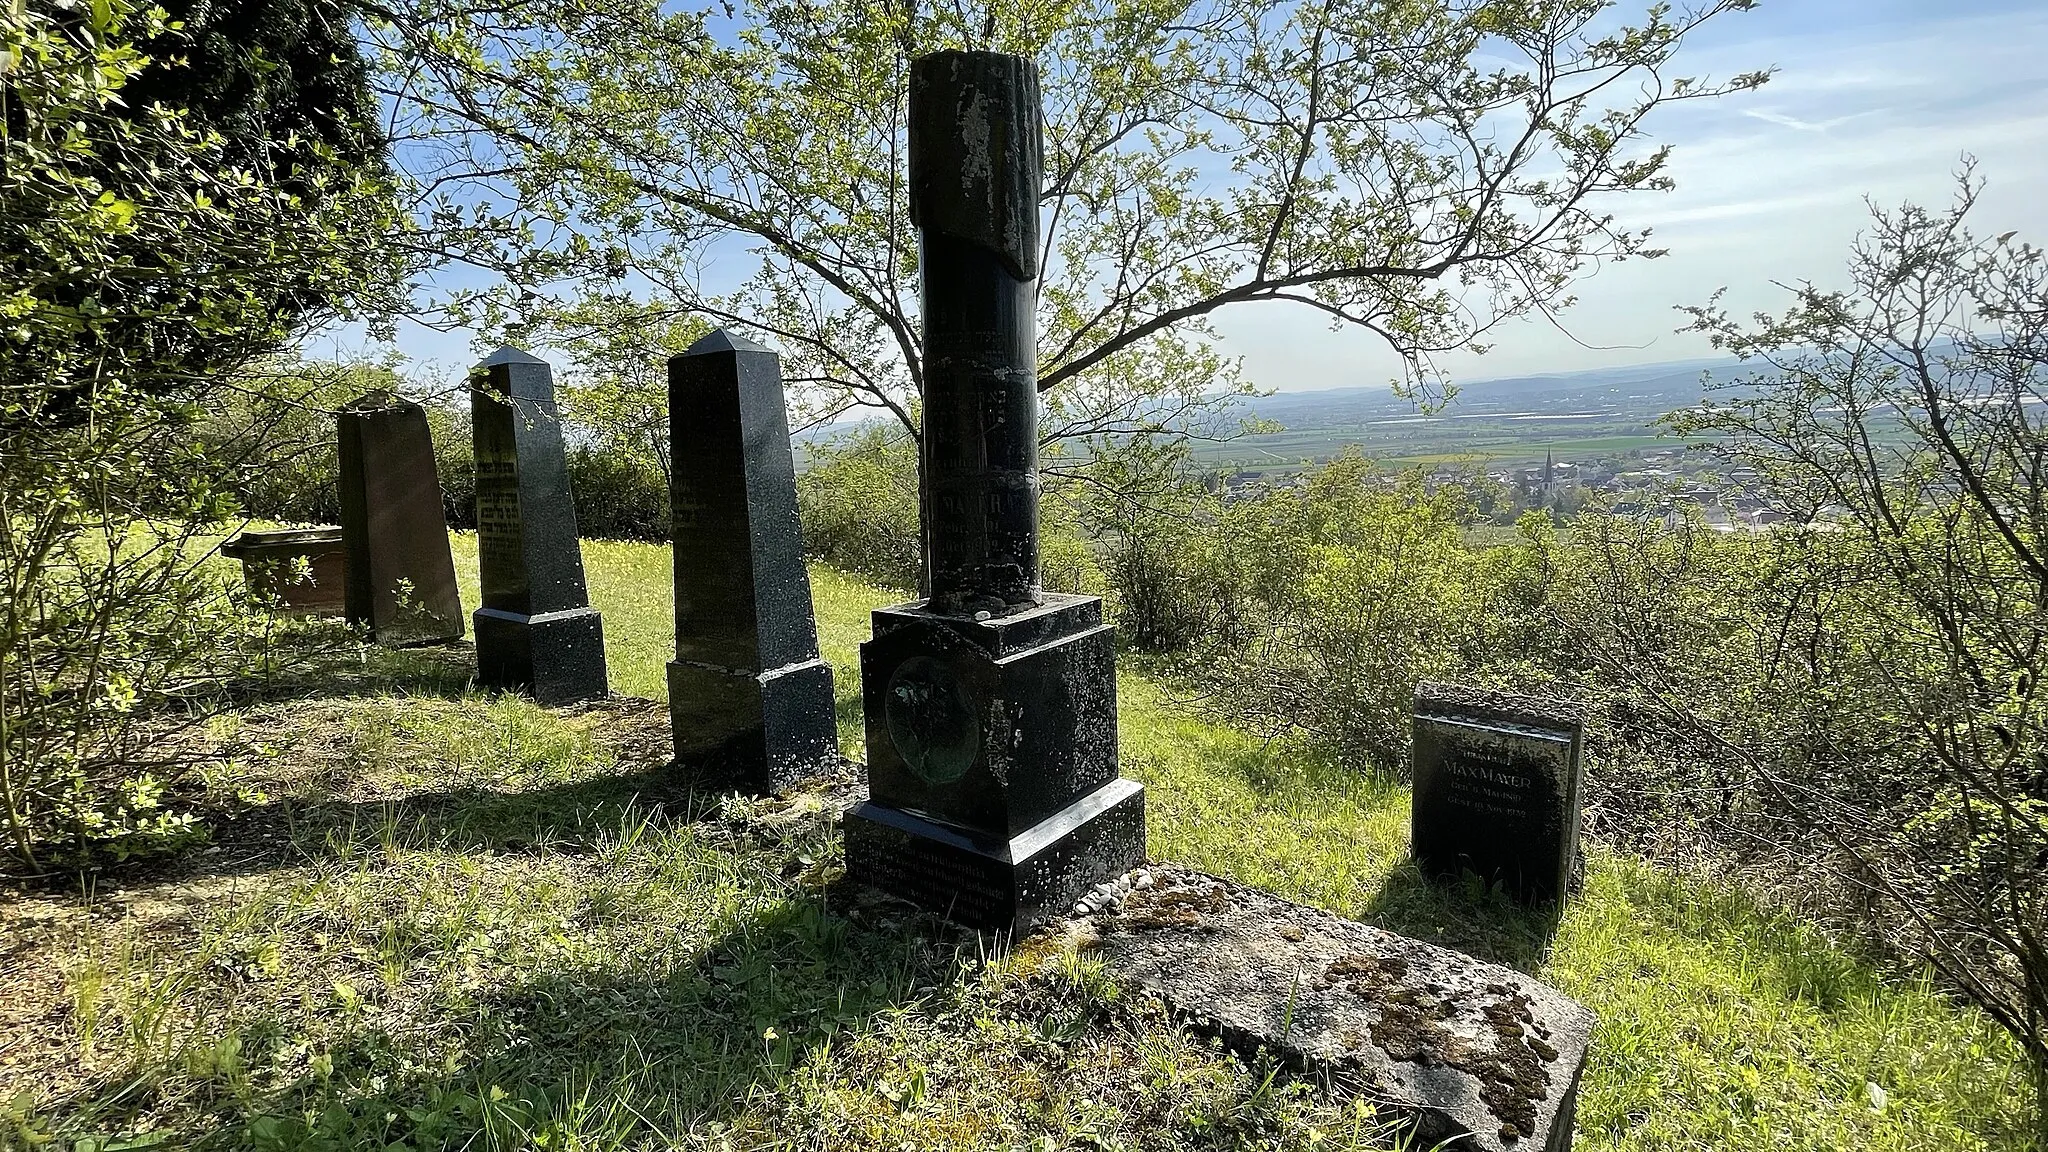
[437, 919]
[1723, 1025]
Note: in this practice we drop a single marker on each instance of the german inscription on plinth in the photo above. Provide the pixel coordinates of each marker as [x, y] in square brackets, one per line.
[1497, 788]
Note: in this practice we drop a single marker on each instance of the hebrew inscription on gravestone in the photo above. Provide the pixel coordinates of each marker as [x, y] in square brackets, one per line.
[536, 631]
[1497, 782]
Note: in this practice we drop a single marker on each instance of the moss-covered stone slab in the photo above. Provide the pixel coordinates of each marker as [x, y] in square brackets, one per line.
[1471, 1055]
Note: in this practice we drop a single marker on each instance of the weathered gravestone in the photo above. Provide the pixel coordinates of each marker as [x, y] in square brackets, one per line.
[1466, 1056]
[271, 566]
[749, 698]
[401, 576]
[536, 630]
[1497, 788]
[990, 706]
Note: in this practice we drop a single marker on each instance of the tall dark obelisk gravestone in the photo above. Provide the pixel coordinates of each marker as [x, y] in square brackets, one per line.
[750, 701]
[1497, 782]
[536, 631]
[400, 580]
[994, 797]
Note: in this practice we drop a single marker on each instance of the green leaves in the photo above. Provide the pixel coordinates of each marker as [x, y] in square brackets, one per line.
[145, 268]
[1349, 156]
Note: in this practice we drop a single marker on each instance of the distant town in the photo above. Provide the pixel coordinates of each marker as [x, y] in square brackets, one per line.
[1670, 485]
[1570, 444]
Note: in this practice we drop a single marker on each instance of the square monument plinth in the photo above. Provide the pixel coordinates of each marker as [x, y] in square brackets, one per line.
[768, 731]
[992, 763]
[557, 656]
[999, 884]
[1497, 789]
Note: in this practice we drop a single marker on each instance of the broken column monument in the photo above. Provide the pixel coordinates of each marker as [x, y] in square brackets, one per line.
[990, 706]
[400, 581]
[1497, 789]
[750, 701]
[536, 631]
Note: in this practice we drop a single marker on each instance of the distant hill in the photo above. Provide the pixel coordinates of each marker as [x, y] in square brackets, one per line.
[1595, 411]
[1636, 390]
[1593, 414]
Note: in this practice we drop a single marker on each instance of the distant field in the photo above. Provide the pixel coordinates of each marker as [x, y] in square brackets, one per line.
[1484, 441]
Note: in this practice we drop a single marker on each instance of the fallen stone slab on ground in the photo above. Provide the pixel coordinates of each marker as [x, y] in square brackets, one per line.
[1473, 1055]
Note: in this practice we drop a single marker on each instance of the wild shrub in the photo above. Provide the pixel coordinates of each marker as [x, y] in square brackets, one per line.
[1331, 601]
[1867, 689]
[145, 271]
[619, 496]
[857, 498]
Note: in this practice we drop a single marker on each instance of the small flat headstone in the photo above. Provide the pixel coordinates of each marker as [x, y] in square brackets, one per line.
[1471, 1056]
[536, 631]
[1497, 781]
[400, 580]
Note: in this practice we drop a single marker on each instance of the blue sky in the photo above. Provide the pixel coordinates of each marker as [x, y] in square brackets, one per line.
[1877, 98]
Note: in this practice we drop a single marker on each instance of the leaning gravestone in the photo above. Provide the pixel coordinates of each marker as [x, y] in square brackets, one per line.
[536, 630]
[400, 575]
[749, 697]
[1497, 789]
[994, 797]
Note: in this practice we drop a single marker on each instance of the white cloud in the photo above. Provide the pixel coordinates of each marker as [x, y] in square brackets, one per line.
[1797, 124]
[1771, 184]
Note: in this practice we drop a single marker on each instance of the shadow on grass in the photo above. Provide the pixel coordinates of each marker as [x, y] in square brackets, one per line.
[583, 1055]
[337, 663]
[1465, 914]
[568, 818]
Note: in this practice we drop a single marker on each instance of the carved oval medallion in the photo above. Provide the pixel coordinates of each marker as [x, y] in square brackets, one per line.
[931, 721]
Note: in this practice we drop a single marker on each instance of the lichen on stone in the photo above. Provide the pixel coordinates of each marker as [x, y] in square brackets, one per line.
[1171, 907]
[1410, 1027]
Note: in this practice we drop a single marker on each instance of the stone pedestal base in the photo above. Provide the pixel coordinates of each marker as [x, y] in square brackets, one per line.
[1004, 885]
[558, 657]
[992, 768]
[758, 731]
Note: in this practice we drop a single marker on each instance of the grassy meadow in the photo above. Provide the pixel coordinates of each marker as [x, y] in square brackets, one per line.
[431, 918]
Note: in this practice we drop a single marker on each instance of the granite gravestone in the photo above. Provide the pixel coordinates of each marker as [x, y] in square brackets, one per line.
[1497, 789]
[990, 706]
[536, 630]
[400, 581]
[749, 698]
